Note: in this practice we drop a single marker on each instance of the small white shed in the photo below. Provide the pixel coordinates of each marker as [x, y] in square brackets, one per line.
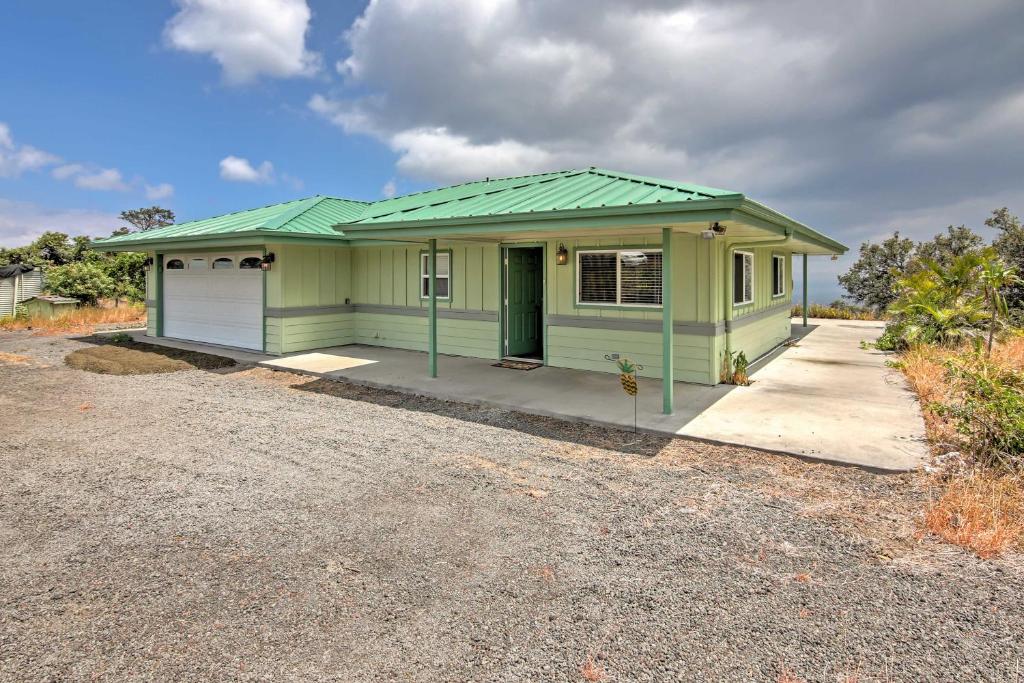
[18, 282]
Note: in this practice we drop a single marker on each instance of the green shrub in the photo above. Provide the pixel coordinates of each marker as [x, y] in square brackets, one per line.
[987, 409]
[120, 337]
[86, 282]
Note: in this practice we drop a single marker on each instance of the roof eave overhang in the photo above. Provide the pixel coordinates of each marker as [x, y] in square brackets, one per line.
[234, 239]
[758, 215]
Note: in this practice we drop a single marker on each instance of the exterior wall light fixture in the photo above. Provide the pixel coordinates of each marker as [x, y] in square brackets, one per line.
[267, 260]
[147, 264]
[562, 255]
[718, 228]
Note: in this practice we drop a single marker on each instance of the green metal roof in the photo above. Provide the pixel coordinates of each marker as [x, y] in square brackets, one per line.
[311, 216]
[563, 190]
[581, 195]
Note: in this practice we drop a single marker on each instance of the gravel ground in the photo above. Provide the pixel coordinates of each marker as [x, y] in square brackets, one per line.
[245, 524]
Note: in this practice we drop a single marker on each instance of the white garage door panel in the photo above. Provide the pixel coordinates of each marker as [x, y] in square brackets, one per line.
[215, 306]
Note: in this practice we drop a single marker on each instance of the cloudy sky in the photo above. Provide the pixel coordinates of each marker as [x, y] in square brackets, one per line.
[857, 118]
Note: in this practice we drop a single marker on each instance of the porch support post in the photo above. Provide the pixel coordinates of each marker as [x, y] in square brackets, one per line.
[158, 295]
[666, 321]
[432, 310]
[805, 290]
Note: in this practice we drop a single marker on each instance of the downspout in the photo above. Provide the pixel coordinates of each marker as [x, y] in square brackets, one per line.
[728, 277]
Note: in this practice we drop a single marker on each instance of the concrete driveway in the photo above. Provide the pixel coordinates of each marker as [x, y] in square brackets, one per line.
[824, 398]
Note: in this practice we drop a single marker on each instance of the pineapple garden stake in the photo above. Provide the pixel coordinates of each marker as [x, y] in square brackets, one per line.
[627, 377]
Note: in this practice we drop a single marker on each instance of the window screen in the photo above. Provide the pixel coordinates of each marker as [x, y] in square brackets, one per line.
[443, 278]
[742, 278]
[630, 277]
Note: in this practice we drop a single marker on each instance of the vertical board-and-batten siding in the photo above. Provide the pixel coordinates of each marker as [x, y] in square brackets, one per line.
[305, 277]
[388, 277]
[377, 280]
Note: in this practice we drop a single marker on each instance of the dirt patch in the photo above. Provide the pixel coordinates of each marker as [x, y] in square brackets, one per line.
[13, 358]
[135, 358]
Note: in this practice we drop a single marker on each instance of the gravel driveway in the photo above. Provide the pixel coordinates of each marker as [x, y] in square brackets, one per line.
[246, 524]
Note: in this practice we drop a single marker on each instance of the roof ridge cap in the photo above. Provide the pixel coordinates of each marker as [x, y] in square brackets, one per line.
[279, 222]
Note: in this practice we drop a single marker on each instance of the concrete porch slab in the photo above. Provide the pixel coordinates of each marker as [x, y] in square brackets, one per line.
[824, 398]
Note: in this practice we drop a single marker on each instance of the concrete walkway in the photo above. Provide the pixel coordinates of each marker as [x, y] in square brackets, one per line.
[824, 398]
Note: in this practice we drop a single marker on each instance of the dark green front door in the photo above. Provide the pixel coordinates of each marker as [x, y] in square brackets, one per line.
[524, 282]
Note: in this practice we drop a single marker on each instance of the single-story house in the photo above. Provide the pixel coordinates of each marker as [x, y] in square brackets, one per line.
[564, 267]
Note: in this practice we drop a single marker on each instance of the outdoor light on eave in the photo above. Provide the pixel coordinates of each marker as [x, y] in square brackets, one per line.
[714, 231]
[562, 255]
[147, 264]
[267, 260]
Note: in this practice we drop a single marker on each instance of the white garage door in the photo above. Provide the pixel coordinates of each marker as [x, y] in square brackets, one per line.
[214, 298]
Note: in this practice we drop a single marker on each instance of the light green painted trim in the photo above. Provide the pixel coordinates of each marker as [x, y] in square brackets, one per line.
[150, 303]
[432, 315]
[263, 282]
[451, 277]
[158, 285]
[250, 239]
[667, 336]
[609, 307]
[785, 269]
[732, 279]
[805, 290]
[760, 216]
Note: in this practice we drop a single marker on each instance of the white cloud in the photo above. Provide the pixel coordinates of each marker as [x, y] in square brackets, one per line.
[436, 153]
[239, 170]
[160, 191]
[16, 159]
[105, 180]
[248, 38]
[66, 171]
[389, 190]
[23, 222]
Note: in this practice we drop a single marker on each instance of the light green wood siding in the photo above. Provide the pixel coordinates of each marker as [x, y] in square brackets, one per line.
[308, 276]
[584, 349]
[761, 336]
[474, 338]
[390, 276]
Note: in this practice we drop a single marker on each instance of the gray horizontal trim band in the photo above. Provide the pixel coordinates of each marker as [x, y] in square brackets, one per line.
[150, 303]
[688, 327]
[453, 313]
[298, 311]
[734, 324]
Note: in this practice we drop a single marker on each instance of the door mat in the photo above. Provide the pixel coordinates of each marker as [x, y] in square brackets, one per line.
[518, 365]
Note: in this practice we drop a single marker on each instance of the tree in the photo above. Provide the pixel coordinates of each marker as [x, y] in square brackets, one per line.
[945, 247]
[148, 219]
[86, 282]
[871, 281]
[1010, 246]
[995, 277]
[128, 275]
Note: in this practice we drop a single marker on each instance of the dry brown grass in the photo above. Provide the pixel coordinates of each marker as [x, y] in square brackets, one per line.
[983, 512]
[80, 321]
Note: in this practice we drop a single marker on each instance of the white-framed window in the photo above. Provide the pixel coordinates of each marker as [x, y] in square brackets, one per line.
[223, 263]
[742, 278]
[618, 277]
[197, 263]
[174, 264]
[443, 278]
[249, 263]
[778, 275]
